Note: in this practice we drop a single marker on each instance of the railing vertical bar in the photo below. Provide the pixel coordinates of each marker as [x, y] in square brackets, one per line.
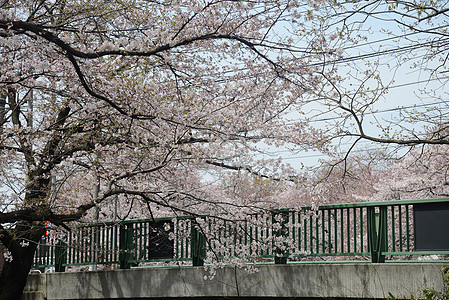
[108, 252]
[341, 231]
[335, 230]
[116, 242]
[110, 239]
[81, 245]
[90, 247]
[305, 234]
[90, 242]
[146, 241]
[135, 239]
[400, 229]
[86, 245]
[98, 242]
[300, 227]
[293, 225]
[407, 223]
[84, 249]
[46, 249]
[258, 233]
[103, 243]
[362, 233]
[51, 254]
[139, 241]
[348, 231]
[354, 220]
[143, 242]
[70, 248]
[176, 239]
[329, 231]
[95, 242]
[180, 238]
[47, 253]
[188, 239]
[393, 229]
[386, 227]
[251, 238]
[95, 246]
[93, 239]
[317, 239]
[323, 232]
[145, 248]
[268, 233]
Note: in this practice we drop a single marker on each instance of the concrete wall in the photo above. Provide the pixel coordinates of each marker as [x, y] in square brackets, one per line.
[291, 280]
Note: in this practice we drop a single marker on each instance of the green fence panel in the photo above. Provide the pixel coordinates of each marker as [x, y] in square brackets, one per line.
[370, 230]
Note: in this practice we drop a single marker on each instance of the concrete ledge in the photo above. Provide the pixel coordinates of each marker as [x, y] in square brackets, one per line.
[292, 280]
[36, 287]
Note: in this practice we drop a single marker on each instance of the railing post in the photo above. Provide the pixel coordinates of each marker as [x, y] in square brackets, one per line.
[280, 255]
[377, 233]
[60, 256]
[197, 244]
[125, 245]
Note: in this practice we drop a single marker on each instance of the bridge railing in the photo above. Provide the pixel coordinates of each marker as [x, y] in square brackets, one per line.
[368, 231]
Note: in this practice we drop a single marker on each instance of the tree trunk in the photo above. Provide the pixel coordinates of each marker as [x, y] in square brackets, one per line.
[15, 271]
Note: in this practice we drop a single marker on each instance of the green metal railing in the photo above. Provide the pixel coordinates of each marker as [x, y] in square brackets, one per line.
[368, 231]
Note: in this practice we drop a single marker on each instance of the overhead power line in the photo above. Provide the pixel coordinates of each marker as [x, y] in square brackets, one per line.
[387, 109]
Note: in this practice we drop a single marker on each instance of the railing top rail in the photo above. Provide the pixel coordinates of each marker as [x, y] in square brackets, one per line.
[382, 203]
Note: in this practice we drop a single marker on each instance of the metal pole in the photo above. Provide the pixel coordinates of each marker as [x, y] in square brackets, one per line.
[97, 212]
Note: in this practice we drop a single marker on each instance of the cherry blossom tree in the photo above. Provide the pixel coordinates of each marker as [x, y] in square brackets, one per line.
[421, 174]
[139, 101]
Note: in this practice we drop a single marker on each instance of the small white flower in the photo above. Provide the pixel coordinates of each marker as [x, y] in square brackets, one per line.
[24, 244]
[8, 256]
[167, 226]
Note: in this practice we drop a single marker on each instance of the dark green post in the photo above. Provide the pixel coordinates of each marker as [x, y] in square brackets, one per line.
[125, 245]
[60, 256]
[377, 234]
[197, 244]
[280, 255]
